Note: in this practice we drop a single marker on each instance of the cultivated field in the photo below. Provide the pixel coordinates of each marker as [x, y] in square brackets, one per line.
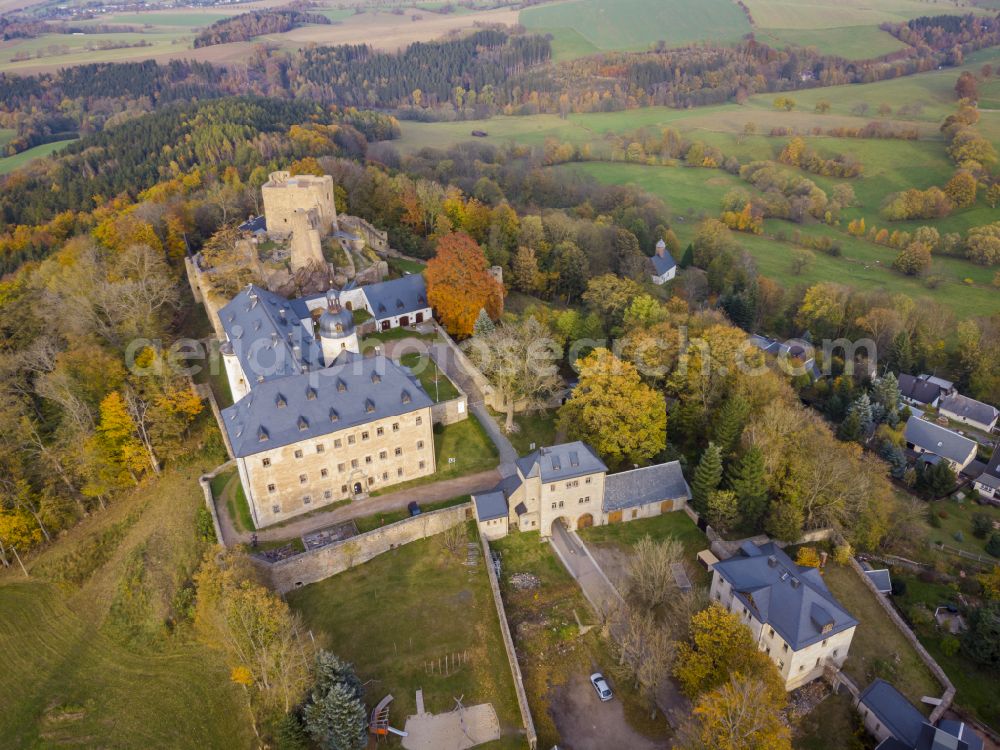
[825, 14]
[581, 27]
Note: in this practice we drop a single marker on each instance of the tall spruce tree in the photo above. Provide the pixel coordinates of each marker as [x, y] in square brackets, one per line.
[707, 477]
[730, 422]
[749, 481]
[334, 715]
[483, 324]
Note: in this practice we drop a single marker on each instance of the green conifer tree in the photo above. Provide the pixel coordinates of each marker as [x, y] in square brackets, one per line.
[707, 477]
[749, 481]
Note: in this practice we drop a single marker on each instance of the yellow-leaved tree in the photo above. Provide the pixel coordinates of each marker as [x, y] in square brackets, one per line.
[459, 284]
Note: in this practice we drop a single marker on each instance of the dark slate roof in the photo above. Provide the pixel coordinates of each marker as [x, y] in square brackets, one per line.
[959, 729]
[402, 296]
[968, 408]
[881, 579]
[891, 743]
[630, 489]
[353, 391]
[938, 440]
[490, 505]
[894, 711]
[663, 263]
[915, 389]
[991, 474]
[563, 461]
[267, 336]
[254, 224]
[794, 601]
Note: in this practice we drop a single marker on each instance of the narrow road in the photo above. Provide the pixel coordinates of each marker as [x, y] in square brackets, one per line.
[424, 493]
[594, 584]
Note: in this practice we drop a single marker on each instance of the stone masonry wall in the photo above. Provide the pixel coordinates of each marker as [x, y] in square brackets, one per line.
[315, 565]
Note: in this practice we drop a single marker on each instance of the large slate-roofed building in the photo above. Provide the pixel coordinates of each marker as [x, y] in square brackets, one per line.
[923, 436]
[792, 614]
[969, 411]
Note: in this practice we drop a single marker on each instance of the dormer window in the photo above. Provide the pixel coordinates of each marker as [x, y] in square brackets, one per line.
[280, 401]
[334, 416]
[341, 385]
[405, 397]
[303, 423]
[376, 378]
[310, 394]
[369, 405]
[262, 435]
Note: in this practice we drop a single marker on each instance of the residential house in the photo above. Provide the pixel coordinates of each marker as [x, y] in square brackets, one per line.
[568, 483]
[987, 484]
[795, 356]
[898, 725]
[792, 614]
[969, 411]
[918, 392]
[663, 266]
[927, 437]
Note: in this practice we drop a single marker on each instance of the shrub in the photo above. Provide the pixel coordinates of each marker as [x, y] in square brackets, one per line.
[959, 536]
[943, 513]
[993, 545]
[898, 587]
[982, 525]
[950, 645]
[920, 615]
[933, 520]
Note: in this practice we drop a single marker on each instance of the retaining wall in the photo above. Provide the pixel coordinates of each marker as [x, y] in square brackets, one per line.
[205, 480]
[508, 642]
[315, 565]
[449, 412]
[925, 657]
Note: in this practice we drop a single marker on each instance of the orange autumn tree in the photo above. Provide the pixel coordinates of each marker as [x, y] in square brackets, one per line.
[459, 284]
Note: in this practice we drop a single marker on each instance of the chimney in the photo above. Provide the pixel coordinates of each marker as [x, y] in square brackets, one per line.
[661, 248]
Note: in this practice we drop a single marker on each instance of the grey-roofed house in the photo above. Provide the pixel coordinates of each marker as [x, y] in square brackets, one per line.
[917, 391]
[887, 713]
[398, 302]
[969, 411]
[569, 484]
[926, 437]
[792, 614]
[795, 355]
[664, 268]
[987, 484]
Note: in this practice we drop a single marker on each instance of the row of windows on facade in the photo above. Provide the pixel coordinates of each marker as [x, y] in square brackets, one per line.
[324, 473]
[354, 462]
[581, 501]
[328, 494]
[570, 485]
[351, 440]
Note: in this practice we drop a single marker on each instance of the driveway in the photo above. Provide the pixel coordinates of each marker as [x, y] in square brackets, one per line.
[575, 557]
[585, 723]
[424, 493]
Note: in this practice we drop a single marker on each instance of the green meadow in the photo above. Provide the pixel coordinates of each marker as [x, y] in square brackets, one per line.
[10, 163]
[581, 27]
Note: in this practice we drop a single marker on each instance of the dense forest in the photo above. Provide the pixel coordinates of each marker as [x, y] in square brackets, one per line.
[246, 26]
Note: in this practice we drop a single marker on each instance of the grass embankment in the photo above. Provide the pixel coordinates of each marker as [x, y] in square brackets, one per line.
[106, 657]
[402, 611]
[435, 383]
[227, 488]
[538, 428]
[878, 648]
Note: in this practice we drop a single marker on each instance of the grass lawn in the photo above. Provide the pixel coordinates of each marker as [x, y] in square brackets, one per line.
[404, 266]
[548, 641]
[537, 427]
[959, 520]
[10, 163]
[827, 726]
[377, 520]
[416, 603]
[226, 486]
[96, 662]
[393, 334]
[581, 27]
[849, 42]
[878, 648]
[435, 383]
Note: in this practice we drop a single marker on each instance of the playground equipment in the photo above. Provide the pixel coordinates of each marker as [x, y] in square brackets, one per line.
[379, 722]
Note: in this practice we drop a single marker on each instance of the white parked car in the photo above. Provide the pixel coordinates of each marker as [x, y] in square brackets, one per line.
[601, 686]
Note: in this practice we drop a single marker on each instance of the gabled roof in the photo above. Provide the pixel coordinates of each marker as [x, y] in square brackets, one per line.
[946, 385]
[894, 711]
[791, 599]
[938, 440]
[949, 735]
[916, 389]
[490, 505]
[563, 461]
[630, 489]
[283, 411]
[663, 263]
[253, 224]
[403, 296]
[991, 474]
[267, 336]
[968, 408]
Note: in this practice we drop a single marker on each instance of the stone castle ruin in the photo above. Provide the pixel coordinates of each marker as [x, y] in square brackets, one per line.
[300, 210]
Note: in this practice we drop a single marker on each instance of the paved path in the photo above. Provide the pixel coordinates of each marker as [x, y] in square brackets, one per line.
[424, 493]
[594, 584]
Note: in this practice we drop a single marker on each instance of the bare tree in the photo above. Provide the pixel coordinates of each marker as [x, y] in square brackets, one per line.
[651, 581]
[453, 540]
[519, 360]
[646, 648]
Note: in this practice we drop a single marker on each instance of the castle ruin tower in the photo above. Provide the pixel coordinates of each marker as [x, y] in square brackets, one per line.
[336, 330]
